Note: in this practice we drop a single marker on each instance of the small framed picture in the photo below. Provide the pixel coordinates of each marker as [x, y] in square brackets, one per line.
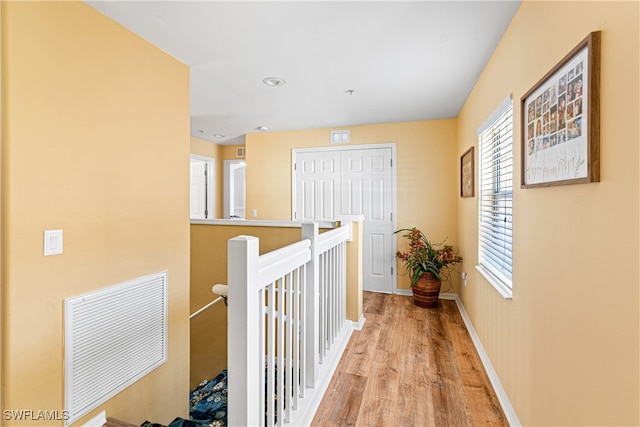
[561, 121]
[467, 174]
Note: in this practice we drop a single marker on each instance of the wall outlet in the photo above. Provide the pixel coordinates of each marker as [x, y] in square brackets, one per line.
[254, 213]
[464, 278]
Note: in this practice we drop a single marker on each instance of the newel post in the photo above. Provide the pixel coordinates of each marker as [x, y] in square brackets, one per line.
[243, 316]
[312, 306]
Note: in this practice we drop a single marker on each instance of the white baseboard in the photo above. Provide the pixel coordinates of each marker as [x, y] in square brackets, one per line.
[405, 292]
[357, 326]
[507, 408]
[98, 420]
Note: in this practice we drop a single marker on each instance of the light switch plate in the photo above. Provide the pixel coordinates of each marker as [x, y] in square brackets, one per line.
[52, 242]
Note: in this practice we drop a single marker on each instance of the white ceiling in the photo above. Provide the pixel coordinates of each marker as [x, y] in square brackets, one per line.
[404, 60]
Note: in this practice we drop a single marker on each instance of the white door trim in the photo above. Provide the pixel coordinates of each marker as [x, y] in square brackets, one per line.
[225, 186]
[392, 146]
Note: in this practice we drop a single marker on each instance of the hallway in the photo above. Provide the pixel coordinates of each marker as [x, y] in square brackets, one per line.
[410, 366]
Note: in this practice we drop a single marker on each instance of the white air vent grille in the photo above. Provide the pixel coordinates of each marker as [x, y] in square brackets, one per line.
[340, 136]
[241, 152]
[113, 337]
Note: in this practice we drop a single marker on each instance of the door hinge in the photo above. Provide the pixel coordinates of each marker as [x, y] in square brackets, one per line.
[391, 216]
[392, 271]
[391, 162]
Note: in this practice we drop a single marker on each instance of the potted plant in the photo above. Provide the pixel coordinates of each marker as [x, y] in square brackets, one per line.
[428, 265]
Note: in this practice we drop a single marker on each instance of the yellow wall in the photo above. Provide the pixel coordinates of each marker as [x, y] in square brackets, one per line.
[427, 173]
[354, 274]
[229, 152]
[566, 346]
[95, 142]
[205, 148]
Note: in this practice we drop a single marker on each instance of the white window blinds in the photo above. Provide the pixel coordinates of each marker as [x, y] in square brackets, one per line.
[496, 190]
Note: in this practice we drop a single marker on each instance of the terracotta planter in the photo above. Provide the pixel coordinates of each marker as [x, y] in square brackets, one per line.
[426, 291]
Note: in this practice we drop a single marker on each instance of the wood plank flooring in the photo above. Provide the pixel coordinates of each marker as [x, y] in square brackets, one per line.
[410, 366]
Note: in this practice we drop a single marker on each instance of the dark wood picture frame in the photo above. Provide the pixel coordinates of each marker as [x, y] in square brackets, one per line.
[560, 121]
[467, 174]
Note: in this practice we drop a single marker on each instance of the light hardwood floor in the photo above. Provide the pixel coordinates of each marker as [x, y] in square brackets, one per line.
[410, 366]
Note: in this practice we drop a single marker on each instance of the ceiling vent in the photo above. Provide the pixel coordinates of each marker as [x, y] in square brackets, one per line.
[241, 152]
[340, 136]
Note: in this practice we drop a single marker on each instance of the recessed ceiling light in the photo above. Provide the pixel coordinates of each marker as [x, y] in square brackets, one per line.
[262, 128]
[200, 131]
[218, 135]
[274, 81]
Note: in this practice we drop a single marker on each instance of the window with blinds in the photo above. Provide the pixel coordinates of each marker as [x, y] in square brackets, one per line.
[495, 240]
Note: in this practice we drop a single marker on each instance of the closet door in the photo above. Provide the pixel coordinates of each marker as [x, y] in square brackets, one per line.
[317, 178]
[352, 182]
[366, 188]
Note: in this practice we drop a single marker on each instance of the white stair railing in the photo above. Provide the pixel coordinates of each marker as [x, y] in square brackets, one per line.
[287, 310]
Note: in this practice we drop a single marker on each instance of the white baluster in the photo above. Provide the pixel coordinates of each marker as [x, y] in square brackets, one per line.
[311, 307]
[243, 349]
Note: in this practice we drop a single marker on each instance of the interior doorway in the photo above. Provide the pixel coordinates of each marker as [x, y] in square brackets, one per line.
[202, 194]
[234, 203]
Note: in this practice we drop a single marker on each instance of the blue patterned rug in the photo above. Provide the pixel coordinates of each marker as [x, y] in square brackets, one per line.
[208, 401]
[207, 405]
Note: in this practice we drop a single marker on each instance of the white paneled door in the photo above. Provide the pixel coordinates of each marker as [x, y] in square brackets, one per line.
[352, 182]
[202, 185]
[198, 199]
[367, 190]
[317, 181]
